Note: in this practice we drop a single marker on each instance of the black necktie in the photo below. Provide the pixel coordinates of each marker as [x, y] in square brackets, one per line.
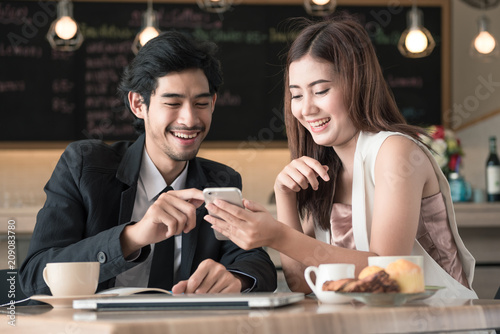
[161, 274]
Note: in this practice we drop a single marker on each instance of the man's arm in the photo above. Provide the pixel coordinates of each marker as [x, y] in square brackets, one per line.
[254, 264]
[74, 227]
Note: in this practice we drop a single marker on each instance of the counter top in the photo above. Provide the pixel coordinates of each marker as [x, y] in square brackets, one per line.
[23, 218]
[470, 214]
[307, 316]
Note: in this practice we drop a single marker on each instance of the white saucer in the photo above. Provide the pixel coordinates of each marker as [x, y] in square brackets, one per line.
[61, 302]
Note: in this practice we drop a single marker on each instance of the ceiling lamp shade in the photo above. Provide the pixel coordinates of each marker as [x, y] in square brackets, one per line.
[416, 41]
[64, 33]
[320, 7]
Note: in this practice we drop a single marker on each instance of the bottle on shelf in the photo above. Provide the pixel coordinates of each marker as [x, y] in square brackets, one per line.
[461, 190]
[493, 173]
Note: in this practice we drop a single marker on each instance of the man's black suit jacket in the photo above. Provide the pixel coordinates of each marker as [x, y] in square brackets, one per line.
[90, 198]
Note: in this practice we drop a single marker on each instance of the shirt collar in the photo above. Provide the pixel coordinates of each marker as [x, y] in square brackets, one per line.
[152, 179]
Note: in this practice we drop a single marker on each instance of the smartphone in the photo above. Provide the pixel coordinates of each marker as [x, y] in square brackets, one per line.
[229, 194]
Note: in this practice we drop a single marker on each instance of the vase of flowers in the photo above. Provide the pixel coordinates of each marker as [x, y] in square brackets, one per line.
[445, 147]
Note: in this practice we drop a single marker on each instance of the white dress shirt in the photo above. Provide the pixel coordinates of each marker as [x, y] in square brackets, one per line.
[149, 185]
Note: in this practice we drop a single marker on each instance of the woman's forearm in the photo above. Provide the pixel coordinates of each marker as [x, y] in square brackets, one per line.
[286, 207]
[299, 251]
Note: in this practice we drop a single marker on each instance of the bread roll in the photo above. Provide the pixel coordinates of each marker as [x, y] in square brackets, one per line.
[409, 276]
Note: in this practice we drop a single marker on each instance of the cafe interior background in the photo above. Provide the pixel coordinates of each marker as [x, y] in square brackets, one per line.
[470, 110]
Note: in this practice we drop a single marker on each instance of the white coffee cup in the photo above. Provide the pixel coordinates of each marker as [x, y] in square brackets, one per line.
[383, 261]
[71, 278]
[329, 272]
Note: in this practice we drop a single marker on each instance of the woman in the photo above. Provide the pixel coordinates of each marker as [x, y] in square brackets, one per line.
[360, 183]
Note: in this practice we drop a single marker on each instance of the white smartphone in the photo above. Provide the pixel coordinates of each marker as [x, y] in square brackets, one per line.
[229, 194]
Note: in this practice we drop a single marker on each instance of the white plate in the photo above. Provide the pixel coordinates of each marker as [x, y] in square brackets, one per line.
[390, 298]
[60, 302]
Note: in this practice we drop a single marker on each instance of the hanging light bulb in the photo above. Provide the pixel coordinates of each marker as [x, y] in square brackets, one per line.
[149, 28]
[484, 44]
[64, 33]
[320, 7]
[214, 6]
[416, 41]
[66, 27]
[147, 34]
[321, 2]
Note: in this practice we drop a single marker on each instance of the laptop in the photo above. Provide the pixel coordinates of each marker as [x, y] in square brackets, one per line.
[189, 301]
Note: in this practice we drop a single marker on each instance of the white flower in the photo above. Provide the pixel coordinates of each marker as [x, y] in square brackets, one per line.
[439, 146]
[426, 140]
[442, 161]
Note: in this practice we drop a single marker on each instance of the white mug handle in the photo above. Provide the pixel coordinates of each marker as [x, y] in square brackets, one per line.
[45, 277]
[307, 274]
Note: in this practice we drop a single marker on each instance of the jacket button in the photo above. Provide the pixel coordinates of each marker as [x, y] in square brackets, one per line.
[101, 257]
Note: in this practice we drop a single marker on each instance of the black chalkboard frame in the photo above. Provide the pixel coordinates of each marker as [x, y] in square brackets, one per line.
[263, 142]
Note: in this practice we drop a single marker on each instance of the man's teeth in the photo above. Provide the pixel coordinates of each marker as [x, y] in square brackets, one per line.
[185, 135]
[319, 123]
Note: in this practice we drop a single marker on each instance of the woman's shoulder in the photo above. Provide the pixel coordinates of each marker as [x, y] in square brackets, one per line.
[401, 146]
[399, 141]
[371, 145]
[403, 155]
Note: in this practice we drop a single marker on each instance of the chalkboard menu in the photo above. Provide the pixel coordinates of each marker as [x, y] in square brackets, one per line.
[50, 95]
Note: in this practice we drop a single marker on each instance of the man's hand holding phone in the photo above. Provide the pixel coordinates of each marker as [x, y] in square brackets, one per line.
[172, 213]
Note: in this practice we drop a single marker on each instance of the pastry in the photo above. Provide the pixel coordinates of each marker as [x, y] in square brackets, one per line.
[336, 285]
[409, 276]
[356, 286]
[378, 281]
[367, 271]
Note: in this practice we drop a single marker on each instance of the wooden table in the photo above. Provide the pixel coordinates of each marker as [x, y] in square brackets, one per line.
[307, 316]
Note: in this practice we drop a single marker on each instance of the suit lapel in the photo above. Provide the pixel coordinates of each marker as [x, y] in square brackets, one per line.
[128, 173]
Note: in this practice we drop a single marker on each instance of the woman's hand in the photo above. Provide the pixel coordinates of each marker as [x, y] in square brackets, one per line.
[251, 228]
[300, 174]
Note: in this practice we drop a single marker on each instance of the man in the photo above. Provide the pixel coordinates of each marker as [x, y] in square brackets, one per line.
[111, 203]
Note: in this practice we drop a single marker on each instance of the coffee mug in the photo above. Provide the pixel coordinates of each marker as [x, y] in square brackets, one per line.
[383, 261]
[329, 272]
[71, 278]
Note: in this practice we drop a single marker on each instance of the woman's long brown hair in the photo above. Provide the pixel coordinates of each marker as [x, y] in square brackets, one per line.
[344, 43]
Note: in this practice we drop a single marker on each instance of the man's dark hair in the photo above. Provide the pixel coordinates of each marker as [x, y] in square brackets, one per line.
[171, 51]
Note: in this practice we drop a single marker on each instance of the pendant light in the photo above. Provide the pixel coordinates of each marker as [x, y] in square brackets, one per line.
[320, 7]
[416, 41]
[149, 28]
[214, 6]
[64, 33]
[484, 46]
